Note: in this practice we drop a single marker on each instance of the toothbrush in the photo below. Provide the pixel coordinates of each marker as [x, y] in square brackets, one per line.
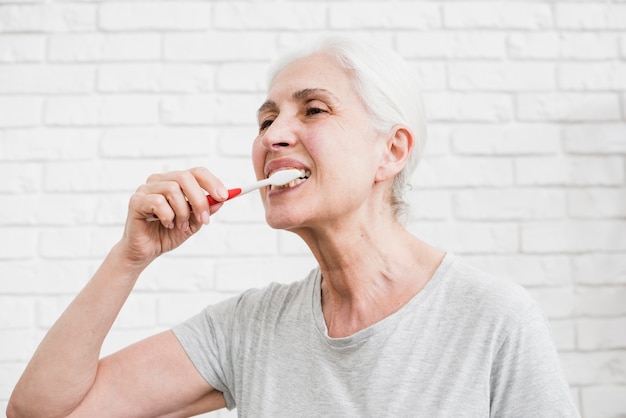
[279, 178]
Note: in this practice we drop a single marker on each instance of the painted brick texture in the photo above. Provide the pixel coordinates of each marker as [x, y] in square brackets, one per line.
[524, 174]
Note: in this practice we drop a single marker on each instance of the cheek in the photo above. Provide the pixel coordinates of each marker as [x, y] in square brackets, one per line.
[258, 157]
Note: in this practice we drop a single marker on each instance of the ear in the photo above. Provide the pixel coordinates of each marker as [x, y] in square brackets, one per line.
[398, 147]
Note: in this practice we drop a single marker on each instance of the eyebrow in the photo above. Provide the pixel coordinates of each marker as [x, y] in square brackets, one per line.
[299, 95]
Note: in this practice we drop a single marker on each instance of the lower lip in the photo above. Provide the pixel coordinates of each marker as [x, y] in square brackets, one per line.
[275, 192]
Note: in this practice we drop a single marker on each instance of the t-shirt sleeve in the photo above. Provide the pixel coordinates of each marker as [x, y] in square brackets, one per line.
[206, 337]
[526, 378]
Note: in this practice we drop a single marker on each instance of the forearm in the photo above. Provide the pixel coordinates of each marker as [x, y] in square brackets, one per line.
[65, 365]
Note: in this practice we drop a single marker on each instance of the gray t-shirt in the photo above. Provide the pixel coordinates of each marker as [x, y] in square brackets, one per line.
[467, 345]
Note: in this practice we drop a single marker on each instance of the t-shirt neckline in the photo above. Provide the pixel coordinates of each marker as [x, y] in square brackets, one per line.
[385, 324]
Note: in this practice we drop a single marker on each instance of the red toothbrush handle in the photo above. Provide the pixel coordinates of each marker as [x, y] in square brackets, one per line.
[231, 193]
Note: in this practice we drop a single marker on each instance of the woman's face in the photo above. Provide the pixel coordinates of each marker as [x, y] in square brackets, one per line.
[314, 120]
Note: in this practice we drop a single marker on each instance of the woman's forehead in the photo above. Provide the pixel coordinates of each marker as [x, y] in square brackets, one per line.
[318, 71]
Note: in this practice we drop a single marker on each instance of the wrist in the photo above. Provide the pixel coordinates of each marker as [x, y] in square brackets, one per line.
[124, 258]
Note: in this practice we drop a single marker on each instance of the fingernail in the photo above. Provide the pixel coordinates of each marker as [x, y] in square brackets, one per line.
[184, 226]
[205, 217]
[171, 226]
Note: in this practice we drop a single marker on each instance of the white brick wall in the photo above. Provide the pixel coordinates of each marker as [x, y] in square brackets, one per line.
[525, 174]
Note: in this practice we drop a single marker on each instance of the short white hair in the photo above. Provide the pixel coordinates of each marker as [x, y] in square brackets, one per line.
[389, 90]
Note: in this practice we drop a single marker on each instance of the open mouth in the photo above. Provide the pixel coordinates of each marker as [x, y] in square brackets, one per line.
[304, 175]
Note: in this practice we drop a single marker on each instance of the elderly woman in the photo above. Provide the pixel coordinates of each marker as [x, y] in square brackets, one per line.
[386, 326]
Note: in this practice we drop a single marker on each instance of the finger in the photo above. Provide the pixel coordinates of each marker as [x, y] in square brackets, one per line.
[195, 194]
[173, 194]
[209, 182]
[147, 205]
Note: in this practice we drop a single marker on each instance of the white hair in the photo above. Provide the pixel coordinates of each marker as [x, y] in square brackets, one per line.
[389, 90]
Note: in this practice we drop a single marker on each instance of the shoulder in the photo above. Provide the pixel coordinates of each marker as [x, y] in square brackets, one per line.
[481, 295]
[276, 299]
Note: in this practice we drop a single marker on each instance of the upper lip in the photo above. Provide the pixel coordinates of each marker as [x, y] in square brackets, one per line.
[282, 164]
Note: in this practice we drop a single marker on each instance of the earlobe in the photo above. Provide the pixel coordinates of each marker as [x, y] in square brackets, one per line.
[398, 147]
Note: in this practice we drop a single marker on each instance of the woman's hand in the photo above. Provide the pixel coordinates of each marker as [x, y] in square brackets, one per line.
[179, 200]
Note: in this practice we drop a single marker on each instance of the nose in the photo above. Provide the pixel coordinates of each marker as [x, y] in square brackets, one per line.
[280, 134]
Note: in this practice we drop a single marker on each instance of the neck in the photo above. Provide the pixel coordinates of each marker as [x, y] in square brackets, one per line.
[369, 272]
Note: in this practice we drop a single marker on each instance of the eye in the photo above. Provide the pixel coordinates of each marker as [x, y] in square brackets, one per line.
[310, 111]
[265, 124]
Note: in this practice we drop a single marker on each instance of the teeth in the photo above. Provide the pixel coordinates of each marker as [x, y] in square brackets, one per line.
[304, 175]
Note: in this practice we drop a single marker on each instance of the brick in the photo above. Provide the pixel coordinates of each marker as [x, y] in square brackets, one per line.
[242, 77]
[575, 171]
[568, 107]
[495, 76]
[54, 210]
[38, 210]
[174, 78]
[173, 309]
[236, 141]
[104, 110]
[456, 44]
[509, 204]
[9, 375]
[430, 204]
[50, 308]
[589, 46]
[595, 368]
[556, 302]
[527, 270]
[248, 210]
[98, 47]
[219, 239]
[180, 15]
[22, 48]
[597, 203]
[18, 344]
[77, 242]
[470, 238]
[517, 15]
[18, 243]
[435, 172]
[213, 109]
[371, 15]
[237, 274]
[590, 16]
[596, 139]
[138, 142]
[506, 139]
[19, 312]
[18, 111]
[217, 47]
[599, 334]
[119, 338]
[292, 245]
[564, 334]
[40, 144]
[585, 76]
[177, 274]
[468, 107]
[46, 79]
[603, 401]
[139, 311]
[305, 15]
[438, 142]
[430, 76]
[48, 18]
[598, 269]
[533, 46]
[46, 278]
[573, 237]
[20, 177]
[602, 301]
[85, 176]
